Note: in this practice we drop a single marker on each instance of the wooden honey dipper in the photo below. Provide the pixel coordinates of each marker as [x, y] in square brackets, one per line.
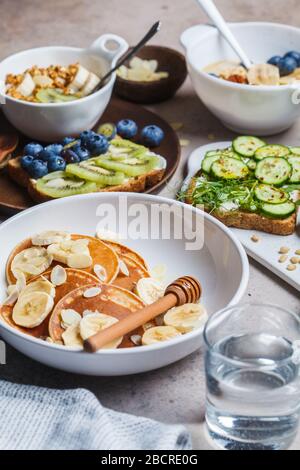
[184, 290]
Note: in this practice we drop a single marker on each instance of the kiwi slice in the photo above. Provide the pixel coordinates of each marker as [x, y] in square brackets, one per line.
[130, 165]
[60, 184]
[53, 95]
[89, 170]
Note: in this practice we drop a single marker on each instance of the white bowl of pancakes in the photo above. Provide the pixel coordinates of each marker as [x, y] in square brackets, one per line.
[63, 279]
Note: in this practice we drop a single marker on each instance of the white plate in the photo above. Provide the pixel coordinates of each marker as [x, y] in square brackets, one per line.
[221, 266]
[266, 250]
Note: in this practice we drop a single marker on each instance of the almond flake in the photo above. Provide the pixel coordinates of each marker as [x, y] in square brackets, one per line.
[176, 126]
[136, 339]
[12, 298]
[91, 292]
[123, 268]
[100, 272]
[69, 316]
[58, 275]
[184, 142]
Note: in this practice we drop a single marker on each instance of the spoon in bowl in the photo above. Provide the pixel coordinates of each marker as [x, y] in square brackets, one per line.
[258, 74]
[152, 31]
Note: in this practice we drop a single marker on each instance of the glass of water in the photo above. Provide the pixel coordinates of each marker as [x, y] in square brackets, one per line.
[252, 358]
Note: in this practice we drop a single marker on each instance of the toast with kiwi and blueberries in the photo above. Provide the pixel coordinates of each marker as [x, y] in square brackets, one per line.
[250, 185]
[102, 161]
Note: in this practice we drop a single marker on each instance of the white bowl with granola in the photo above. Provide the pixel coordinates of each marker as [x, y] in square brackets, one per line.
[51, 92]
[76, 282]
[246, 109]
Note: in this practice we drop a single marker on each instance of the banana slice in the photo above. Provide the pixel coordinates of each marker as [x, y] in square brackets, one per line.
[158, 334]
[27, 86]
[90, 84]
[263, 74]
[69, 316]
[149, 290]
[73, 253]
[50, 236]
[71, 337]
[186, 317]
[91, 324]
[79, 80]
[40, 285]
[32, 309]
[31, 262]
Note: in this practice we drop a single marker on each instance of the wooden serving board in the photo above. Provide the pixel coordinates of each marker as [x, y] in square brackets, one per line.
[14, 199]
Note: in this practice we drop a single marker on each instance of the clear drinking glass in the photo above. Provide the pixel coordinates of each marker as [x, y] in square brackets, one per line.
[252, 358]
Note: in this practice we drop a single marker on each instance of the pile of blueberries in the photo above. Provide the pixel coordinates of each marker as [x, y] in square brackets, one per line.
[38, 161]
[286, 64]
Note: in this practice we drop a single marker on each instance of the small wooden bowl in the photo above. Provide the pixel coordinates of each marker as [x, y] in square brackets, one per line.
[169, 60]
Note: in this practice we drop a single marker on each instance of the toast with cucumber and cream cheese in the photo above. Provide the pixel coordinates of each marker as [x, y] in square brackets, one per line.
[250, 185]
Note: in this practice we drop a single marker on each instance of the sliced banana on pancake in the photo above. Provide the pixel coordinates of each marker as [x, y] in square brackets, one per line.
[186, 317]
[40, 285]
[31, 262]
[71, 336]
[158, 334]
[91, 324]
[32, 309]
[69, 316]
[149, 290]
[50, 236]
[73, 253]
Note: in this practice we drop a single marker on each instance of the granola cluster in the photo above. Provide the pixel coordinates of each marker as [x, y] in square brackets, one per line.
[55, 76]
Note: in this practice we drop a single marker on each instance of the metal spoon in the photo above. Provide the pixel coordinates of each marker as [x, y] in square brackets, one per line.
[258, 74]
[152, 31]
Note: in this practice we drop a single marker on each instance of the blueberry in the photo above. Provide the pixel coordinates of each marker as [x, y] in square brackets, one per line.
[127, 128]
[70, 156]
[274, 60]
[86, 136]
[26, 161]
[108, 129]
[98, 145]
[56, 163]
[46, 154]
[37, 169]
[67, 140]
[295, 55]
[82, 152]
[286, 66]
[55, 148]
[152, 135]
[33, 149]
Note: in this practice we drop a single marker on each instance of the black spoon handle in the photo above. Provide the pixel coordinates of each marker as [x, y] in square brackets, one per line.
[152, 31]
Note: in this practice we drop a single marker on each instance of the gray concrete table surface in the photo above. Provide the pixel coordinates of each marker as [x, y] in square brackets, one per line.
[174, 394]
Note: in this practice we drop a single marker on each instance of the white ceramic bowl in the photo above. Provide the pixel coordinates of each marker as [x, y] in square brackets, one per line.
[258, 110]
[221, 266]
[53, 121]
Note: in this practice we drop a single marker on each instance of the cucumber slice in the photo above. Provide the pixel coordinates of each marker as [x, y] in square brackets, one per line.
[90, 171]
[61, 185]
[271, 195]
[272, 150]
[250, 162]
[280, 211]
[295, 150]
[230, 153]
[246, 145]
[131, 166]
[208, 161]
[295, 162]
[229, 168]
[273, 170]
[213, 152]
